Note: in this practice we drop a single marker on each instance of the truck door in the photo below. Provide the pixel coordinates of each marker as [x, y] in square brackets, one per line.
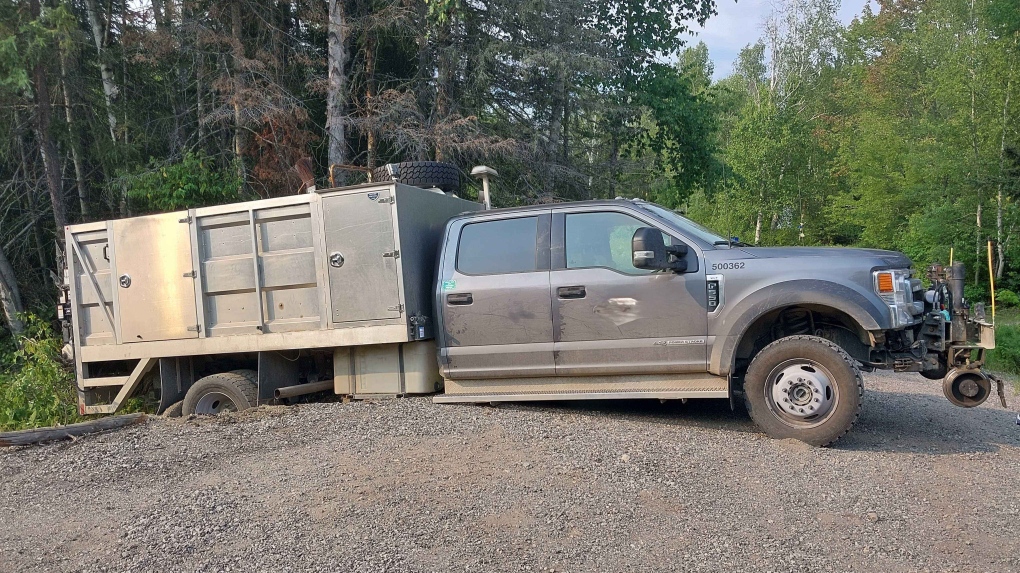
[155, 290]
[612, 318]
[494, 296]
[362, 256]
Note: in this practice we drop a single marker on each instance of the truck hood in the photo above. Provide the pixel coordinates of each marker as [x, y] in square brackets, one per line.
[892, 259]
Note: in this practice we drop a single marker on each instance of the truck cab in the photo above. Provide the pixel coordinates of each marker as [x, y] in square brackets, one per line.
[553, 291]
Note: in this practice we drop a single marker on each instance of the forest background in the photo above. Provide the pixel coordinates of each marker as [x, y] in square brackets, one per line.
[899, 131]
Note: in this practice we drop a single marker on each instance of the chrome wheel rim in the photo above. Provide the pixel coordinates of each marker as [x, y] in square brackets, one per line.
[215, 403]
[801, 393]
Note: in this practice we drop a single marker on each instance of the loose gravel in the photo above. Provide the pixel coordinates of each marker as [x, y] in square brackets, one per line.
[406, 485]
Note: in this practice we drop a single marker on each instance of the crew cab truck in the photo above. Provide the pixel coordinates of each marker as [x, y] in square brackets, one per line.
[390, 289]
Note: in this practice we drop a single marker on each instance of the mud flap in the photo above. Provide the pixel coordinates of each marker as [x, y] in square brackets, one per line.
[176, 375]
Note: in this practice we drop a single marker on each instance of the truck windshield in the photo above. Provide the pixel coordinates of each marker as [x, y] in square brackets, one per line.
[686, 225]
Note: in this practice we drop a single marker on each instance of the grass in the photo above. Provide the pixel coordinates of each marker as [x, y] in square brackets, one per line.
[1005, 359]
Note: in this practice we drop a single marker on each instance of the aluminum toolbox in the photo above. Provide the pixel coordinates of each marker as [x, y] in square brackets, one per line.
[337, 268]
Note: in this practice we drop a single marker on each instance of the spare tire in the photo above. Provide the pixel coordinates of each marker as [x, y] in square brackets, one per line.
[424, 174]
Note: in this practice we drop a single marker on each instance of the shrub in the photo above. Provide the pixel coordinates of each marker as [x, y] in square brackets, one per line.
[1006, 356]
[1007, 298]
[975, 293]
[195, 181]
[35, 387]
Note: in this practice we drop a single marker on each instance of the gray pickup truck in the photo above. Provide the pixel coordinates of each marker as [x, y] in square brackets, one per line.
[388, 289]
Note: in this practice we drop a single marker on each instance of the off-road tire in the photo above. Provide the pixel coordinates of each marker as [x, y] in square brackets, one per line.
[846, 377]
[425, 174]
[239, 386]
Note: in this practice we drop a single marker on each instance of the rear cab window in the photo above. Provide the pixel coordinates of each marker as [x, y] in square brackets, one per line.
[498, 247]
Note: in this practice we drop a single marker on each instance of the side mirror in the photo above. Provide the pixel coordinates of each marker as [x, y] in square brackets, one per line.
[649, 251]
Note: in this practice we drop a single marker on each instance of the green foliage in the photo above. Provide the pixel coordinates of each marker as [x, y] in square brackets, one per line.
[897, 132]
[1007, 298]
[442, 11]
[682, 139]
[975, 293]
[35, 387]
[195, 181]
[1006, 356]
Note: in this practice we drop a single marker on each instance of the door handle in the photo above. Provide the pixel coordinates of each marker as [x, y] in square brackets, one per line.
[459, 299]
[571, 292]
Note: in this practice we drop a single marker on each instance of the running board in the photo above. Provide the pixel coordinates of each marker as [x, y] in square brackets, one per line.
[483, 398]
[625, 387]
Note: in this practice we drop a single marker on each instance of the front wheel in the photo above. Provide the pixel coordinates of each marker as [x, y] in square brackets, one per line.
[804, 387]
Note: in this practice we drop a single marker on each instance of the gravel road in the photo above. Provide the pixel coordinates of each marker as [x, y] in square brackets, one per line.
[406, 485]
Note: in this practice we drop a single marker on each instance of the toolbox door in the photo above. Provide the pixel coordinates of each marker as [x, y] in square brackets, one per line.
[154, 278]
[362, 259]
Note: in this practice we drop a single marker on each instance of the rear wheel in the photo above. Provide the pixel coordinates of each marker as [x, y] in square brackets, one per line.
[804, 387]
[224, 392]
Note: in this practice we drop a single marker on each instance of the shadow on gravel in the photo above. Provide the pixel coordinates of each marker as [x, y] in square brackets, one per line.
[890, 421]
[701, 413]
[920, 423]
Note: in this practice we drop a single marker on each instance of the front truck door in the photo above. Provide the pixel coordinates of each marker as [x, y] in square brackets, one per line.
[612, 318]
[154, 278]
[494, 295]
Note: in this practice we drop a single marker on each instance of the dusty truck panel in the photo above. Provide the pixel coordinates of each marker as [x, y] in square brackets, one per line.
[315, 271]
[265, 254]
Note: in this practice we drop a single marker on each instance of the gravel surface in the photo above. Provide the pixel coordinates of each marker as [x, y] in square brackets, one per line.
[406, 485]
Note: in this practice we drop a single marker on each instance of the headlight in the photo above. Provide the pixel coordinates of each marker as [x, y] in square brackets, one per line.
[896, 290]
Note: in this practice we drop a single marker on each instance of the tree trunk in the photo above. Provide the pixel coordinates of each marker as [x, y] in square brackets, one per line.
[235, 31]
[977, 244]
[79, 173]
[974, 140]
[30, 196]
[566, 124]
[370, 61]
[10, 297]
[555, 143]
[337, 87]
[109, 86]
[157, 13]
[614, 159]
[1000, 240]
[445, 72]
[758, 219]
[199, 82]
[47, 148]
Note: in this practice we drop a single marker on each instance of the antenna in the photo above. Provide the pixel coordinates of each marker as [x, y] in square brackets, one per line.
[484, 173]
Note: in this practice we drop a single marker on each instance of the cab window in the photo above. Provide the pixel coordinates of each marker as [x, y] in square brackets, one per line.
[499, 247]
[603, 239]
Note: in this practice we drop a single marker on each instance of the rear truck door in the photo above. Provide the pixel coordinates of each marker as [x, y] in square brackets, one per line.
[494, 296]
[612, 318]
[154, 280]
